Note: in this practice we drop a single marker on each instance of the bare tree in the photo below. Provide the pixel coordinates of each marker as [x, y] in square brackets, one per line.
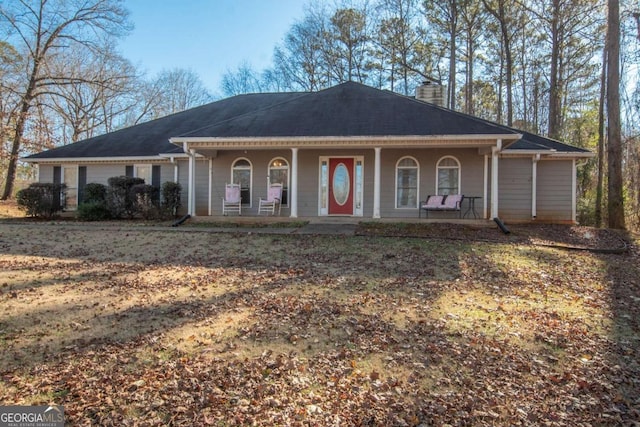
[300, 60]
[347, 39]
[95, 96]
[445, 16]
[401, 43]
[506, 14]
[43, 28]
[243, 80]
[179, 89]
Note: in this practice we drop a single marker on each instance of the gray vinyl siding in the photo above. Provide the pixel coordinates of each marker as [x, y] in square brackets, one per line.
[555, 190]
[471, 178]
[514, 184]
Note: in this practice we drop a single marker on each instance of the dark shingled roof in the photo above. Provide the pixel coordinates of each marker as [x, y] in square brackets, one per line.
[151, 138]
[348, 109]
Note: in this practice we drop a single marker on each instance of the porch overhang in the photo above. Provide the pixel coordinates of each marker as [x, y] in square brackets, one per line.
[352, 142]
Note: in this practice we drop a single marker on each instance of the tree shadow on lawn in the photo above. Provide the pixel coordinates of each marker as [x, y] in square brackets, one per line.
[377, 328]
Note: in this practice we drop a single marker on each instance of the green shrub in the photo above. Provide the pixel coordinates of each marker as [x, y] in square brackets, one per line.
[41, 199]
[94, 192]
[146, 200]
[121, 201]
[171, 198]
[93, 211]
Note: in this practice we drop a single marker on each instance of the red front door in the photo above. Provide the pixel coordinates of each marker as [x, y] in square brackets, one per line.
[341, 186]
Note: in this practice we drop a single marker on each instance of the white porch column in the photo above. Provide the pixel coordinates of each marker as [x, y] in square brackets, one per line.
[210, 186]
[485, 186]
[191, 198]
[494, 178]
[293, 194]
[534, 185]
[376, 183]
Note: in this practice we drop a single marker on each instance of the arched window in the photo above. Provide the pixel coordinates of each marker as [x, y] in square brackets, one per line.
[448, 176]
[279, 174]
[241, 172]
[407, 178]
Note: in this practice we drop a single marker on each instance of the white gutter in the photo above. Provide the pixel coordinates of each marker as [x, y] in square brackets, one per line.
[92, 159]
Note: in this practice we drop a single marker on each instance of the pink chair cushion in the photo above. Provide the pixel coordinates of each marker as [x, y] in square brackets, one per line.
[433, 202]
[232, 194]
[452, 201]
[274, 193]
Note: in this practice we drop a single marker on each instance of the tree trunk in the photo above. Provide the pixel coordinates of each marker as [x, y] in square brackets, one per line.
[554, 80]
[615, 203]
[600, 179]
[16, 145]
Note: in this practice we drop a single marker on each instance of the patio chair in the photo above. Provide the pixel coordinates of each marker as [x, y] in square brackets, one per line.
[269, 205]
[232, 202]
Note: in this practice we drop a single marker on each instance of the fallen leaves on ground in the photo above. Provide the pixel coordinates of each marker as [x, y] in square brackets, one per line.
[157, 327]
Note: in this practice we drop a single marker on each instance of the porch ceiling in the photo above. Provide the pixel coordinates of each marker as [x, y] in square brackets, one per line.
[208, 146]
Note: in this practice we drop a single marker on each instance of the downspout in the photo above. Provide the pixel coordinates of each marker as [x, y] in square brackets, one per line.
[534, 186]
[494, 178]
[574, 190]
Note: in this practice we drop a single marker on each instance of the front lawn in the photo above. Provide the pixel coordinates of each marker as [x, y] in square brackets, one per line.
[165, 327]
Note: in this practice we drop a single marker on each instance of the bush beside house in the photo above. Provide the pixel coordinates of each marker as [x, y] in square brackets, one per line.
[41, 200]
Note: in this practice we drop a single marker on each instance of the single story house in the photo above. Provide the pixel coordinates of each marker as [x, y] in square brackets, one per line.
[349, 150]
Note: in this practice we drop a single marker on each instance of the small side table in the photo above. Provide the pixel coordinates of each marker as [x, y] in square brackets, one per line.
[471, 206]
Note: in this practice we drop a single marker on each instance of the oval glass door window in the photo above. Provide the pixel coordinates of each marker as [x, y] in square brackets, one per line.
[341, 184]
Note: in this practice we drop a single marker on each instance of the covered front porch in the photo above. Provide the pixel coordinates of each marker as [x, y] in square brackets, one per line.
[386, 181]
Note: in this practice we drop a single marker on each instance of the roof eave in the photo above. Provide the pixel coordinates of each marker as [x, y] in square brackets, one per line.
[344, 141]
[549, 153]
[110, 159]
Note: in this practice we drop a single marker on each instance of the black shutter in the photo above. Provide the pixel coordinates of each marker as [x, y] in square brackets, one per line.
[155, 176]
[57, 175]
[128, 171]
[57, 179]
[82, 182]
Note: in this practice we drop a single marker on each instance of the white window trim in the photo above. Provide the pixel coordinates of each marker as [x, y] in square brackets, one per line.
[233, 166]
[76, 184]
[417, 168]
[288, 168]
[438, 167]
[135, 171]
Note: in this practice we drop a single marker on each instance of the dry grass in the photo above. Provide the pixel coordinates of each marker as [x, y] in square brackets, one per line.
[123, 326]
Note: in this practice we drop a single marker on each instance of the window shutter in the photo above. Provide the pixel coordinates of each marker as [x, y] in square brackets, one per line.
[82, 182]
[57, 179]
[57, 175]
[155, 176]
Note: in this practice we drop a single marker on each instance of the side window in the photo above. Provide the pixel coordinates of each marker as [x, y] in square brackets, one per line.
[407, 178]
[279, 174]
[448, 176]
[241, 172]
[144, 172]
